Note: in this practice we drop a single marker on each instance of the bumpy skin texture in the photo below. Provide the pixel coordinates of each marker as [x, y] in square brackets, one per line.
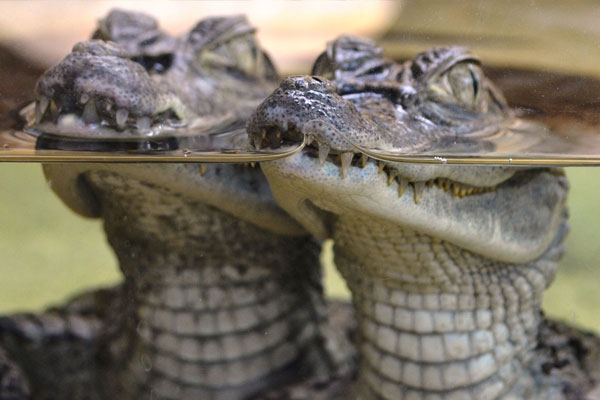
[447, 281]
[222, 296]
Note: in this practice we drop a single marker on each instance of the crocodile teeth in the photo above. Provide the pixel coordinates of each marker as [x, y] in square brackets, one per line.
[202, 169]
[252, 164]
[259, 141]
[418, 188]
[447, 185]
[363, 160]
[121, 118]
[84, 98]
[455, 189]
[391, 176]
[90, 114]
[346, 160]
[40, 108]
[309, 139]
[402, 185]
[323, 152]
[143, 124]
[380, 165]
[278, 136]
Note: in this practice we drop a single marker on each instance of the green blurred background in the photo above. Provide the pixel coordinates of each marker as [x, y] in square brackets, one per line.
[47, 253]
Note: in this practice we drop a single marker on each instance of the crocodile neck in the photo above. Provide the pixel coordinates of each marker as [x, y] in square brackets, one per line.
[216, 307]
[435, 319]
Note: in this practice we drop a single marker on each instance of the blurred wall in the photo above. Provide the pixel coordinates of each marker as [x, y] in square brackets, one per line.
[293, 32]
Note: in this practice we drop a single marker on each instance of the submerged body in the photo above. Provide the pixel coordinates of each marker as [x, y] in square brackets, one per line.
[222, 296]
[446, 264]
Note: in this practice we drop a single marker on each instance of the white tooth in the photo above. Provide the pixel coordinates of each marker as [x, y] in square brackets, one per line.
[90, 115]
[252, 164]
[380, 165]
[256, 141]
[346, 159]
[418, 190]
[323, 152]
[363, 160]
[391, 176]
[121, 117]
[402, 185]
[40, 108]
[143, 124]
[84, 98]
[309, 139]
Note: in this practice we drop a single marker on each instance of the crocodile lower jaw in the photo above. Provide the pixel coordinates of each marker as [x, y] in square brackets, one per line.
[514, 223]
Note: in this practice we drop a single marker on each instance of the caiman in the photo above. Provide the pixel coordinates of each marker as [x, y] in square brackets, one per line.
[222, 295]
[446, 264]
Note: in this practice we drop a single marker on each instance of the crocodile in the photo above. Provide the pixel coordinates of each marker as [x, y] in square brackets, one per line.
[222, 294]
[447, 264]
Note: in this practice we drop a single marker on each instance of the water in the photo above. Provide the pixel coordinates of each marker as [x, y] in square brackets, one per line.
[518, 141]
[215, 141]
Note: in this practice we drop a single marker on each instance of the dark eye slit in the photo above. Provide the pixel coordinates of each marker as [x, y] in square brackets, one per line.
[475, 83]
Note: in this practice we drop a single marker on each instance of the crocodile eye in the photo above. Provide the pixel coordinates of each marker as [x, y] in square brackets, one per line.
[244, 50]
[464, 81]
[460, 86]
[240, 54]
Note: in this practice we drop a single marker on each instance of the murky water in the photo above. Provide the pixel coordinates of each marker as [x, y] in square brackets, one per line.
[517, 141]
[224, 140]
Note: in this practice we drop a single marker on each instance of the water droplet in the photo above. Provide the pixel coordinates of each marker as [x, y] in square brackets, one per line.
[510, 160]
[146, 363]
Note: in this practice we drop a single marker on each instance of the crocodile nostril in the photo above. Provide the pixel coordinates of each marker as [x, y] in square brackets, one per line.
[300, 84]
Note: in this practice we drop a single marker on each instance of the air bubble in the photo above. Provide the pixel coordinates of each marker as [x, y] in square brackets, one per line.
[146, 363]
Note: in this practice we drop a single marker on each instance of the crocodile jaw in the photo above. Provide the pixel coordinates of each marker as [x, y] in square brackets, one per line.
[241, 192]
[515, 223]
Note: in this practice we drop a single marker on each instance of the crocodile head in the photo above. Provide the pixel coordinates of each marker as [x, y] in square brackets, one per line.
[134, 79]
[356, 95]
[133, 75]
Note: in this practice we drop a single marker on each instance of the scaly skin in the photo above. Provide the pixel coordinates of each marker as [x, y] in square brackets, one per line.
[222, 296]
[446, 281]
